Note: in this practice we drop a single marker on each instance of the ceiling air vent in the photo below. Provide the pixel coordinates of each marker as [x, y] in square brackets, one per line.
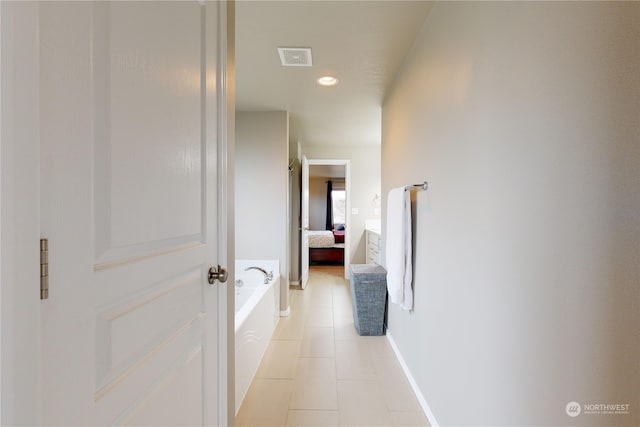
[295, 56]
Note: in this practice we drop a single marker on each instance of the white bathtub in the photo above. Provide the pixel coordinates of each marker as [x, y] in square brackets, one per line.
[257, 314]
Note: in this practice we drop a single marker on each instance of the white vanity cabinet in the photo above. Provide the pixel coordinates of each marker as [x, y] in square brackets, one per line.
[374, 243]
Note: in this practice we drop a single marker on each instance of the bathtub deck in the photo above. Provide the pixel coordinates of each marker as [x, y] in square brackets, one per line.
[318, 371]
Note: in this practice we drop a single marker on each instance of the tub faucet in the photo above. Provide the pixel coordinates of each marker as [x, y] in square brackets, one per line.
[267, 276]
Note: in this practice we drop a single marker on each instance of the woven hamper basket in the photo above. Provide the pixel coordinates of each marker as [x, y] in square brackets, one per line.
[369, 296]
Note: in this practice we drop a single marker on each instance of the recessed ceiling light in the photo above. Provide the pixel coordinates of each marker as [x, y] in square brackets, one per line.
[327, 81]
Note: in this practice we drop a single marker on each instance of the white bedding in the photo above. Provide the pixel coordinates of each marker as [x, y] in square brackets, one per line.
[321, 238]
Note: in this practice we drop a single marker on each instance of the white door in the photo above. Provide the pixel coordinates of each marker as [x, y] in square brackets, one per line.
[304, 235]
[128, 127]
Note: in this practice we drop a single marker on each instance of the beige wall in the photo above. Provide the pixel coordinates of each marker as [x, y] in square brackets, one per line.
[318, 199]
[317, 203]
[365, 183]
[525, 119]
[262, 189]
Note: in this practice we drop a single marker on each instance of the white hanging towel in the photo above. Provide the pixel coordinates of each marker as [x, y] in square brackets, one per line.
[399, 268]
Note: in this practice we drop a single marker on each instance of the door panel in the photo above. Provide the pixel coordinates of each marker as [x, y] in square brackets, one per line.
[149, 140]
[128, 330]
[129, 190]
[304, 234]
[177, 400]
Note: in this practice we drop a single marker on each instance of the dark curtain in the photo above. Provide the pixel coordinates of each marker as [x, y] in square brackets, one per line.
[329, 223]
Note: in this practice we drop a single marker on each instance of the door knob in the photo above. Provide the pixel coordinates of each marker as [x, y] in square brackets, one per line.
[219, 274]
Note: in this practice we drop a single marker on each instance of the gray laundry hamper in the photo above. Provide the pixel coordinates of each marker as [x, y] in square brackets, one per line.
[369, 297]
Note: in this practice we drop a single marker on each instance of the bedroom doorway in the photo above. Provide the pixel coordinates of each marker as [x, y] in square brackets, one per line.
[325, 215]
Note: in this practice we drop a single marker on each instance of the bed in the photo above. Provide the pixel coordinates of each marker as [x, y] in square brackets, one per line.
[326, 247]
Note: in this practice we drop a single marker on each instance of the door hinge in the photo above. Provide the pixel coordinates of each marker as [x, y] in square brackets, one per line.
[44, 268]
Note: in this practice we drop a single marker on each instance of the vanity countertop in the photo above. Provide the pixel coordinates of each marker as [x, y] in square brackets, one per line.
[373, 225]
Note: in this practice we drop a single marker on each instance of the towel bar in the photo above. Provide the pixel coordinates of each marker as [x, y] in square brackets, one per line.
[422, 186]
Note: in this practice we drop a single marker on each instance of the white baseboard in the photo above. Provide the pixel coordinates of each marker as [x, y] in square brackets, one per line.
[294, 283]
[285, 313]
[414, 385]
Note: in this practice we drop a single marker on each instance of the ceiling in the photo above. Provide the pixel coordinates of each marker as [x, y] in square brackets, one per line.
[362, 43]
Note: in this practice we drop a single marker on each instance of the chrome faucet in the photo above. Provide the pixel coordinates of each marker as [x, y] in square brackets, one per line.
[267, 276]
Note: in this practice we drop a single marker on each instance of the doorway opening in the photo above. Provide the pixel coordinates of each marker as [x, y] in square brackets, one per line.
[325, 231]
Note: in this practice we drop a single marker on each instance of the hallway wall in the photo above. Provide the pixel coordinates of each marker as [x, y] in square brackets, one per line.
[262, 189]
[524, 118]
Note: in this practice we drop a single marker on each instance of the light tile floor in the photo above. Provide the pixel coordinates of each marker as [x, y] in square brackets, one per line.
[317, 371]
